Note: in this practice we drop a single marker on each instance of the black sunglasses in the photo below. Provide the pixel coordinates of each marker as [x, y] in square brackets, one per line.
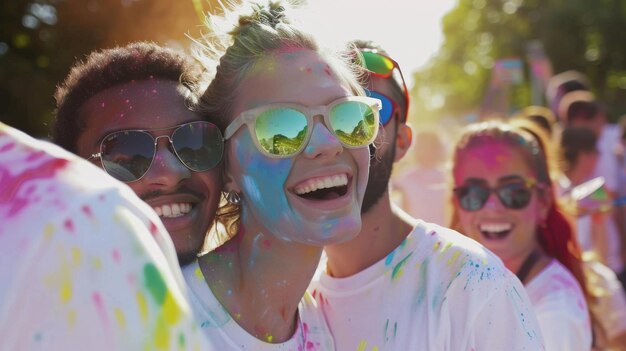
[127, 155]
[516, 196]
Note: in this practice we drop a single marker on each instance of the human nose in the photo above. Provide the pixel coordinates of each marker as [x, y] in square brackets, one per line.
[322, 143]
[166, 169]
[493, 201]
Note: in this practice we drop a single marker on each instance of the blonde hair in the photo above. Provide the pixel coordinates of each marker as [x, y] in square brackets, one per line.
[237, 40]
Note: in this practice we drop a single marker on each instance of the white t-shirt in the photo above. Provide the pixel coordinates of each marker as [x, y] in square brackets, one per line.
[561, 309]
[439, 291]
[80, 268]
[311, 334]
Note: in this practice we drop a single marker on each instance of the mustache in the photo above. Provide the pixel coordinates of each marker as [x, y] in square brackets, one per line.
[145, 196]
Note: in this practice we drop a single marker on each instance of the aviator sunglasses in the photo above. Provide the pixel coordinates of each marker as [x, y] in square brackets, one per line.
[516, 195]
[382, 66]
[127, 155]
[282, 130]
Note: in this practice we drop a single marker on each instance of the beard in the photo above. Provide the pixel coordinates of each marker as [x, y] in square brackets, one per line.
[381, 165]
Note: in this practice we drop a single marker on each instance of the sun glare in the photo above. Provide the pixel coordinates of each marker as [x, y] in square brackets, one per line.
[410, 31]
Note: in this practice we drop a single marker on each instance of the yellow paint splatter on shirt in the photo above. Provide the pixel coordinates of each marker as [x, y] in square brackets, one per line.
[453, 258]
[71, 317]
[119, 316]
[171, 309]
[198, 273]
[76, 256]
[143, 306]
[362, 345]
[96, 262]
[48, 231]
[66, 291]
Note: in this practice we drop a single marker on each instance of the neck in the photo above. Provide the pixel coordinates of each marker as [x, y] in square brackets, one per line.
[384, 227]
[514, 264]
[260, 279]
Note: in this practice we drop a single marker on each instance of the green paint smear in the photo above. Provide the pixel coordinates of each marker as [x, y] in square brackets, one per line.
[155, 283]
[397, 269]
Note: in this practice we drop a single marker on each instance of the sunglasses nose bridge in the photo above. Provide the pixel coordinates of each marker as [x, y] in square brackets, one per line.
[322, 141]
[493, 200]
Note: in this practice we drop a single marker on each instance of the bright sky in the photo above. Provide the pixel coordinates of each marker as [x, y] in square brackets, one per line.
[409, 30]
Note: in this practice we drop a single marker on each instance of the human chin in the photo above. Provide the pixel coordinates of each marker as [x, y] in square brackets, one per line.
[331, 216]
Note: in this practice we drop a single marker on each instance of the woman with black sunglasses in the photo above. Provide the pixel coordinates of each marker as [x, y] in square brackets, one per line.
[503, 198]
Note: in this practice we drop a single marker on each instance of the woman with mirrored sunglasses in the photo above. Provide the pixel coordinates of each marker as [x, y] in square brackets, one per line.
[503, 198]
[297, 127]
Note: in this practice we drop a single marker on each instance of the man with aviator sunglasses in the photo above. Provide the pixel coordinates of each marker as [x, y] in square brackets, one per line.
[127, 109]
[403, 284]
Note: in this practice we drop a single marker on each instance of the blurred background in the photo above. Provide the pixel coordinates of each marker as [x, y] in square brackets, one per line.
[474, 53]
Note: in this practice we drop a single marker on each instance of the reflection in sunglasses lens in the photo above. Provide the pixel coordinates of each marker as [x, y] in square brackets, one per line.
[127, 155]
[281, 131]
[353, 122]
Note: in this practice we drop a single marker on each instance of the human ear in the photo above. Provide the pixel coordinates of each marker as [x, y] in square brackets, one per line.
[404, 138]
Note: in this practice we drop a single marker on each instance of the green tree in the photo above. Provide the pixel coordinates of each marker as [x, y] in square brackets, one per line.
[576, 34]
[41, 39]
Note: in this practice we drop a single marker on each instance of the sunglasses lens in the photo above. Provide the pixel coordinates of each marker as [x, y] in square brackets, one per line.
[281, 131]
[199, 145]
[472, 197]
[514, 196]
[387, 106]
[354, 123]
[377, 63]
[127, 155]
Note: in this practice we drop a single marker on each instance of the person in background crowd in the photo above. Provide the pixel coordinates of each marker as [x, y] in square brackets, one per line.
[503, 198]
[404, 284]
[578, 155]
[582, 109]
[424, 184]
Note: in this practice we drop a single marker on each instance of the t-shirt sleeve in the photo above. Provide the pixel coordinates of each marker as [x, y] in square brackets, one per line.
[94, 278]
[506, 321]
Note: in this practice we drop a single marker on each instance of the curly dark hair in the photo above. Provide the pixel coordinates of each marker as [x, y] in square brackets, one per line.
[110, 67]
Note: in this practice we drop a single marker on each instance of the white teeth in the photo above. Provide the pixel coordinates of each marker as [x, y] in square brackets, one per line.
[321, 183]
[173, 210]
[496, 227]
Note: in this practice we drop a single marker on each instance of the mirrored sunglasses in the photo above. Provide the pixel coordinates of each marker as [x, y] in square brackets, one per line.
[283, 130]
[388, 106]
[127, 155]
[383, 66]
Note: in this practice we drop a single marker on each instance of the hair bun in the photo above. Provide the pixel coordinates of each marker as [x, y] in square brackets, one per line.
[270, 14]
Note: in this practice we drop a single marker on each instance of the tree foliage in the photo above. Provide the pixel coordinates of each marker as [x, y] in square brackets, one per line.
[41, 39]
[576, 34]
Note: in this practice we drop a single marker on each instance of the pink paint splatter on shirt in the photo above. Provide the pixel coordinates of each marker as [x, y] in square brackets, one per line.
[99, 304]
[7, 147]
[12, 184]
[116, 255]
[69, 225]
[87, 211]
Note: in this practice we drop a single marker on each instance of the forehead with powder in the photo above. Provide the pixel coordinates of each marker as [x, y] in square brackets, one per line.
[496, 156]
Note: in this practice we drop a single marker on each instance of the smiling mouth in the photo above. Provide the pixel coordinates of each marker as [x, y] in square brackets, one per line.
[173, 210]
[323, 188]
[495, 231]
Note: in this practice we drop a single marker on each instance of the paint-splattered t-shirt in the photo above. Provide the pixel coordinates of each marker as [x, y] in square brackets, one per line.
[311, 333]
[80, 268]
[438, 290]
[561, 309]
